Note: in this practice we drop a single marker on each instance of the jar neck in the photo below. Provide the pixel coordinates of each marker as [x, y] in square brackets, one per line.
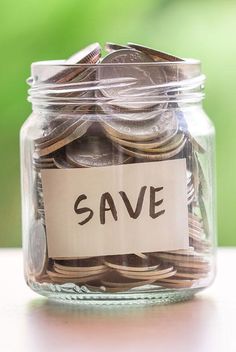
[120, 88]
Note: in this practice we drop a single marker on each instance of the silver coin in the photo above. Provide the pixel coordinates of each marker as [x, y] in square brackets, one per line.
[61, 162]
[190, 275]
[126, 56]
[80, 268]
[137, 131]
[190, 259]
[145, 146]
[198, 143]
[57, 132]
[37, 248]
[172, 144]
[131, 262]
[152, 274]
[203, 209]
[175, 283]
[76, 132]
[173, 72]
[57, 278]
[150, 156]
[59, 271]
[130, 115]
[110, 47]
[155, 54]
[120, 282]
[88, 55]
[94, 151]
[144, 77]
[202, 179]
[40, 163]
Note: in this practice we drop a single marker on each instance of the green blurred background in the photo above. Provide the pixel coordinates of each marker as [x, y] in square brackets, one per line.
[34, 30]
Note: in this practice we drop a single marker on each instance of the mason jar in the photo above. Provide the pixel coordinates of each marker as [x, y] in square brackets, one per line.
[118, 182]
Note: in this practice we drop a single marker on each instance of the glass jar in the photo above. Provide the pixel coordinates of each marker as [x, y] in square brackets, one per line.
[118, 182]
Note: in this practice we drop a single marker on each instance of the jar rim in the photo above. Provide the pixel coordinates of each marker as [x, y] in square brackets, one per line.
[63, 63]
[169, 79]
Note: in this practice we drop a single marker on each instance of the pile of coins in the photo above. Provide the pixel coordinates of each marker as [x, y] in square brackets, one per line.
[129, 126]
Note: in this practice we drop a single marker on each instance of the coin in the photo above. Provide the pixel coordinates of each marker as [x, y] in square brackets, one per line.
[203, 209]
[61, 161]
[73, 274]
[137, 131]
[174, 73]
[172, 283]
[150, 156]
[88, 55]
[190, 259]
[43, 163]
[77, 130]
[202, 179]
[94, 151]
[130, 262]
[55, 277]
[155, 54]
[149, 275]
[122, 283]
[190, 275]
[110, 47]
[37, 250]
[144, 146]
[132, 116]
[126, 56]
[198, 143]
[56, 133]
[172, 144]
[80, 267]
[143, 78]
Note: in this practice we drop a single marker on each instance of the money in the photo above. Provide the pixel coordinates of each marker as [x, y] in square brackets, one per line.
[94, 151]
[153, 156]
[145, 145]
[154, 54]
[141, 77]
[136, 130]
[118, 112]
[110, 47]
[75, 131]
[88, 55]
[37, 250]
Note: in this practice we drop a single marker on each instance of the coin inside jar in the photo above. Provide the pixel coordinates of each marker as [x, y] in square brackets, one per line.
[94, 151]
[125, 96]
[141, 131]
[156, 55]
[37, 249]
[90, 55]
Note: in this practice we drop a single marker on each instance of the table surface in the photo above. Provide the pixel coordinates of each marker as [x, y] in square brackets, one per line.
[30, 323]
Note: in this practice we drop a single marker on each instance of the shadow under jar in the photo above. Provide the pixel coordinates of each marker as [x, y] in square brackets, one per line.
[118, 183]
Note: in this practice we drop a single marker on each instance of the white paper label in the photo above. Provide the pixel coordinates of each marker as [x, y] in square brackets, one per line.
[116, 209]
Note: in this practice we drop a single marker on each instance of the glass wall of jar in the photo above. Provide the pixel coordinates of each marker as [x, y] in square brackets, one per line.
[118, 197]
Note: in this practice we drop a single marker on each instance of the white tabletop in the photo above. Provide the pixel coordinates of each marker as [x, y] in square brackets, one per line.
[31, 323]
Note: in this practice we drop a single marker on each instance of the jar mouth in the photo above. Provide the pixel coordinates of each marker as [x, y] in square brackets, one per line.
[63, 63]
[127, 85]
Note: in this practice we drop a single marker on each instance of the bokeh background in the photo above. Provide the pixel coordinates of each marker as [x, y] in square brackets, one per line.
[34, 30]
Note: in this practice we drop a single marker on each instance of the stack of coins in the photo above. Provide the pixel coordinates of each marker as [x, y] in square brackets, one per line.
[128, 126]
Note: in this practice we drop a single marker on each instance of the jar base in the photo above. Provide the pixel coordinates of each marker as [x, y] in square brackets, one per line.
[72, 293]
